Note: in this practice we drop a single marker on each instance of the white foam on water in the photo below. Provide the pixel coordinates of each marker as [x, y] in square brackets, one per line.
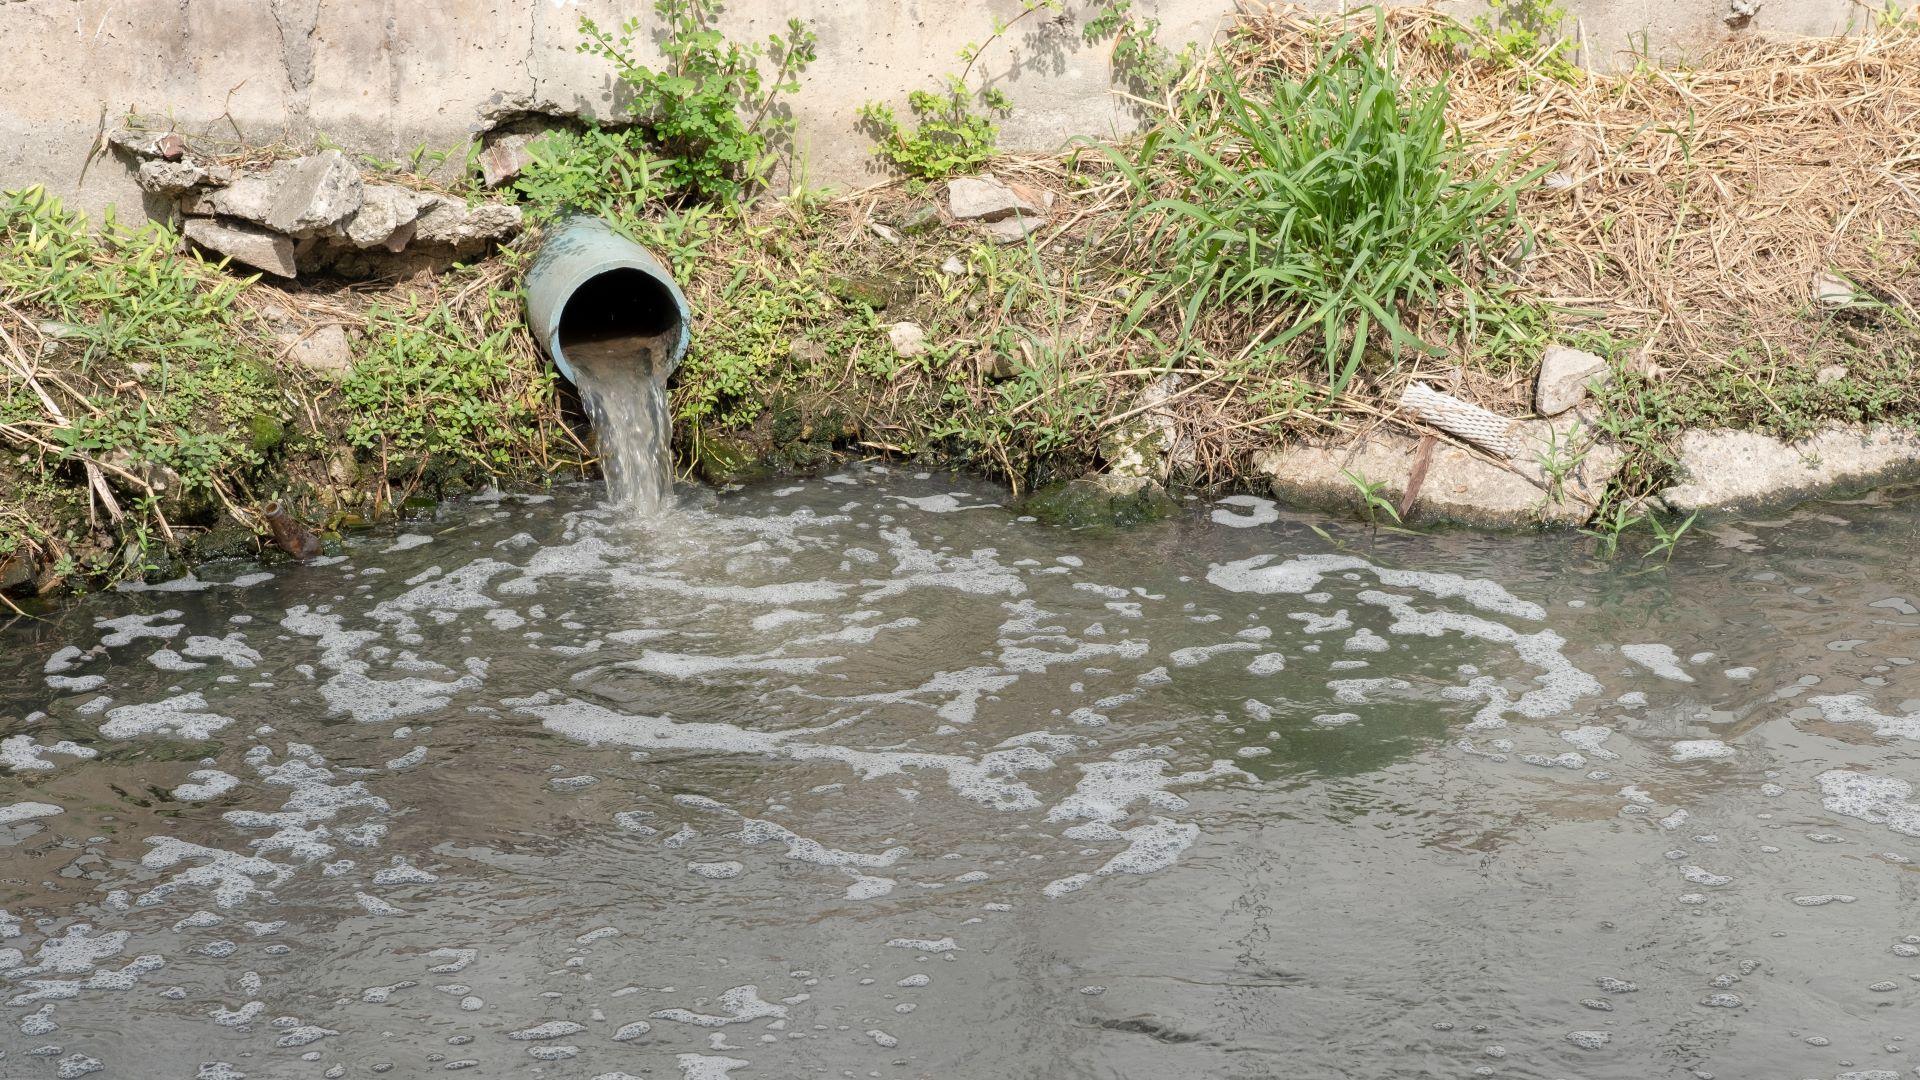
[1700, 750]
[697, 1066]
[206, 784]
[1108, 790]
[1258, 512]
[1660, 660]
[991, 779]
[739, 1005]
[1151, 848]
[1196, 655]
[27, 811]
[1302, 573]
[129, 628]
[183, 717]
[1878, 800]
[1592, 738]
[1857, 709]
[715, 870]
[406, 542]
[21, 753]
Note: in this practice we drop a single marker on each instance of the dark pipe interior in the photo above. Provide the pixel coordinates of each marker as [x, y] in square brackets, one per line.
[618, 307]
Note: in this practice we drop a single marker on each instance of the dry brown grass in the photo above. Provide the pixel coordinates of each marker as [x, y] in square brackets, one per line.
[1689, 207]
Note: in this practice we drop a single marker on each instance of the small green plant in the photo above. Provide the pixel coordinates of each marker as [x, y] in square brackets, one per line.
[1330, 204]
[1138, 56]
[953, 130]
[1667, 538]
[1518, 33]
[1558, 460]
[1373, 500]
[1609, 525]
[712, 112]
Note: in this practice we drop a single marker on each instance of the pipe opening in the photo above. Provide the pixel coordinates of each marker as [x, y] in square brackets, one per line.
[623, 317]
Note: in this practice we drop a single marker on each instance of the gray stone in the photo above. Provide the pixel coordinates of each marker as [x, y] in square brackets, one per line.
[170, 177]
[1013, 229]
[321, 190]
[1725, 470]
[504, 159]
[1831, 373]
[244, 243]
[385, 212]
[908, 339]
[985, 198]
[1566, 377]
[450, 222]
[324, 352]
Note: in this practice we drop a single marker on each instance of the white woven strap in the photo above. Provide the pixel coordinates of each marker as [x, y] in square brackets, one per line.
[1487, 430]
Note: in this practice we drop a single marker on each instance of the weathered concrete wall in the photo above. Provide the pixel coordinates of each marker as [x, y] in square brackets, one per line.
[384, 76]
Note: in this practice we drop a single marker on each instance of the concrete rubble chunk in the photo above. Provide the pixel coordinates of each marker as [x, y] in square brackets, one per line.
[172, 178]
[324, 352]
[1567, 376]
[250, 197]
[321, 190]
[244, 243]
[385, 211]
[451, 222]
[1725, 470]
[1458, 486]
[985, 198]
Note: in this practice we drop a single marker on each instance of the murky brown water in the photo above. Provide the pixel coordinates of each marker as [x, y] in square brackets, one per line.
[864, 777]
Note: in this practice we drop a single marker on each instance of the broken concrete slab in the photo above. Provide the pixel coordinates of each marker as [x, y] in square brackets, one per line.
[170, 178]
[321, 190]
[1566, 378]
[1744, 470]
[244, 243]
[385, 210]
[450, 222]
[250, 197]
[985, 198]
[1459, 486]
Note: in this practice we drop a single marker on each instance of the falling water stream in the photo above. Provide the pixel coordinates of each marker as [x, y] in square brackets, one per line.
[622, 383]
[867, 776]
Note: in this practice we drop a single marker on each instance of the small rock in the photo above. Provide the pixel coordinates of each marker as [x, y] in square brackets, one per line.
[504, 159]
[170, 147]
[170, 178]
[984, 198]
[953, 267]
[908, 339]
[324, 352]
[244, 243]
[1012, 230]
[1832, 290]
[1831, 373]
[1566, 377]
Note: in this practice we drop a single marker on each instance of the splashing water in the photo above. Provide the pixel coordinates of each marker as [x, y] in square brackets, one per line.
[623, 386]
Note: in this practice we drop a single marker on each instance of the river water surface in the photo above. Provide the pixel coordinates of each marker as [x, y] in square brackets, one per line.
[867, 777]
